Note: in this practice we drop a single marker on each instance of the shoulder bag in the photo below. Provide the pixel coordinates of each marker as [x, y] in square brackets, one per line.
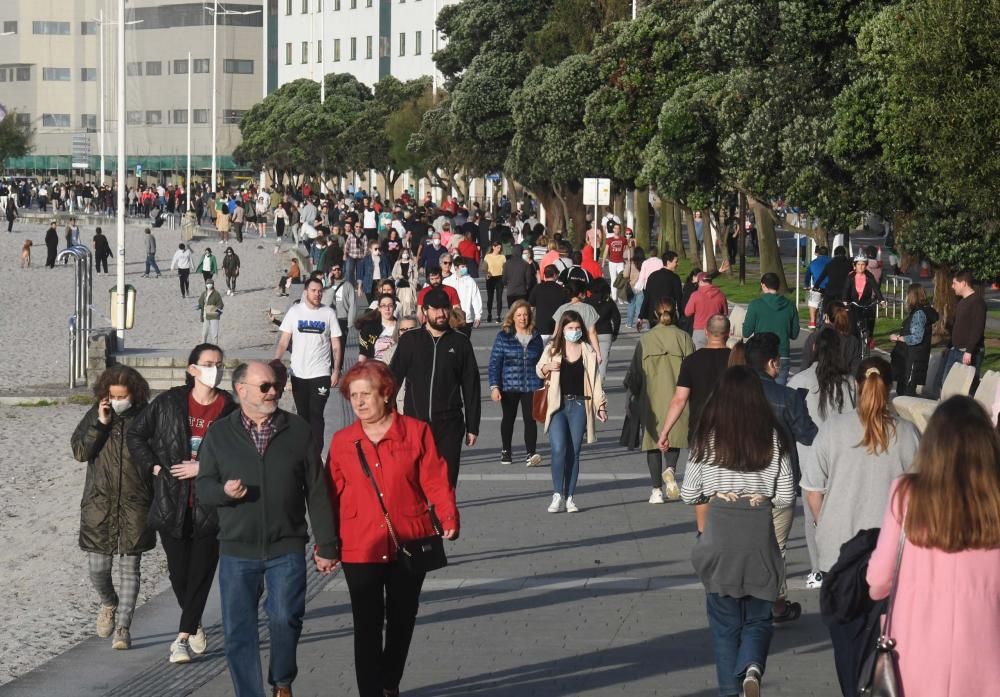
[540, 402]
[880, 676]
[417, 556]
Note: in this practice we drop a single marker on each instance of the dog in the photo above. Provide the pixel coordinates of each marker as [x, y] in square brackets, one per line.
[26, 255]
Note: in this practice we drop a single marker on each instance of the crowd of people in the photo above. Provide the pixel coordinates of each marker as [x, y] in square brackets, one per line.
[228, 480]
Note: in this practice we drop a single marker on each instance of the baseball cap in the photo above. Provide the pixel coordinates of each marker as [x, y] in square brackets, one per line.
[702, 277]
[437, 298]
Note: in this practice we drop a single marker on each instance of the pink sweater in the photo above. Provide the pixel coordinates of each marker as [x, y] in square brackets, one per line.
[947, 618]
[704, 303]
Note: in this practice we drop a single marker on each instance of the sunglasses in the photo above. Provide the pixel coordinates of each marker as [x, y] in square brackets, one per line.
[264, 387]
[445, 263]
[403, 331]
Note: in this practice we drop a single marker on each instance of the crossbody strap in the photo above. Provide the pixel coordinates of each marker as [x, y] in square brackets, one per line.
[378, 494]
[895, 578]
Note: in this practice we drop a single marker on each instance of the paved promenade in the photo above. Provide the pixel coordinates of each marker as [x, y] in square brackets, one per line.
[603, 602]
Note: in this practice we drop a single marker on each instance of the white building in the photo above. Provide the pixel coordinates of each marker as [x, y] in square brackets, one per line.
[369, 39]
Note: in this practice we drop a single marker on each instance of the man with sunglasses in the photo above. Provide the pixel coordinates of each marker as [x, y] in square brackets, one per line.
[314, 333]
[258, 468]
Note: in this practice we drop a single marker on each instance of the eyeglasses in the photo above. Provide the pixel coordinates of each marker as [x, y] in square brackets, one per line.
[264, 387]
[403, 331]
[387, 307]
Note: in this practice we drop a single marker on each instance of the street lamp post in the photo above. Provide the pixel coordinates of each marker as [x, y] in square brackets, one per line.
[120, 211]
[101, 88]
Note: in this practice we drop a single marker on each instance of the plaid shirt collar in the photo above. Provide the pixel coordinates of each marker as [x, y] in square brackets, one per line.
[261, 435]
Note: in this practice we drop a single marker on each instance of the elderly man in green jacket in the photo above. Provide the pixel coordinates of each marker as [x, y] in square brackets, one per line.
[773, 312]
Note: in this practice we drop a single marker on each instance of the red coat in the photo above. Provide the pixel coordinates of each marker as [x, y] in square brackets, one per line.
[410, 474]
[469, 250]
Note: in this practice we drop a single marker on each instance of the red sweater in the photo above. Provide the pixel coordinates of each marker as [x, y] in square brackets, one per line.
[469, 250]
[410, 473]
[705, 302]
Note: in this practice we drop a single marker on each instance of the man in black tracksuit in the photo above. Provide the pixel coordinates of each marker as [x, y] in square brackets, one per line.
[439, 369]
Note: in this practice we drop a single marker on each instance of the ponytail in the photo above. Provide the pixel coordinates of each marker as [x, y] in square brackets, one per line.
[874, 379]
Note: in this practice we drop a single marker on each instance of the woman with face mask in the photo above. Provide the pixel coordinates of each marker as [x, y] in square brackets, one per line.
[164, 441]
[116, 499]
[405, 268]
[575, 397]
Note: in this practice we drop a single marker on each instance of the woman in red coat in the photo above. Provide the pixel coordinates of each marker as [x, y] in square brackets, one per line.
[412, 477]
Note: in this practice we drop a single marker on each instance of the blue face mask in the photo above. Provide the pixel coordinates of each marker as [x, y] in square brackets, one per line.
[573, 335]
[462, 271]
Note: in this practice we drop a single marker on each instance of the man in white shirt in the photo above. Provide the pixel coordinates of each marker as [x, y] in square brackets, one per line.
[314, 332]
[468, 294]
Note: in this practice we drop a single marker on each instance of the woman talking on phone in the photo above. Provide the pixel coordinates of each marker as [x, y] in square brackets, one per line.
[164, 441]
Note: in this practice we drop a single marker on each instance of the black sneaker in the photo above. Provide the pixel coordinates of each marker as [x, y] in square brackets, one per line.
[505, 458]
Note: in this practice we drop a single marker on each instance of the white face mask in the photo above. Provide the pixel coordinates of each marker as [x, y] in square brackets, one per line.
[209, 376]
[121, 405]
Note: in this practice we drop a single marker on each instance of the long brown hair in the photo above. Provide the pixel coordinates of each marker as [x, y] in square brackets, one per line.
[915, 297]
[874, 380]
[558, 340]
[841, 319]
[737, 425]
[952, 497]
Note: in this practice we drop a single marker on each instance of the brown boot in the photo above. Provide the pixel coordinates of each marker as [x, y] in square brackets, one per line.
[281, 692]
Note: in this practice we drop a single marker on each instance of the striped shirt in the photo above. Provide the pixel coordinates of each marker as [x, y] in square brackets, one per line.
[704, 479]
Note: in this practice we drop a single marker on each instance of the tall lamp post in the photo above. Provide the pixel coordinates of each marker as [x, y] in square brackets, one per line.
[100, 25]
[214, 9]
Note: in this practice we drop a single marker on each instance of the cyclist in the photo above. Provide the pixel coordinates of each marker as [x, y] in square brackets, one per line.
[861, 292]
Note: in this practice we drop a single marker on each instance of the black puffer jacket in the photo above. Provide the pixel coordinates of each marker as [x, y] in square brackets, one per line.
[117, 491]
[161, 436]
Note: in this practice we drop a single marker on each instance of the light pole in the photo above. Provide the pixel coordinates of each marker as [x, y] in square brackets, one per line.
[100, 24]
[120, 211]
[187, 181]
[214, 9]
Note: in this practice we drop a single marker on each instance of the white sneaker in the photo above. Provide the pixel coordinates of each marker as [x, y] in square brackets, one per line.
[180, 651]
[814, 579]
[672, 491]
[558, 505]
[533, 460]
[571, 506]
[656, 496]
[751, 683]
[198, 642]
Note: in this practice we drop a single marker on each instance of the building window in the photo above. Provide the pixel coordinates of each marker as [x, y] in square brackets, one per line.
[202, 65]
[402, 43]
[88, 122]
[55, 74]
[354, 4]
[22, 119]
[288, 7]
[368, 47]
[180, 116]
[88, 28]
[10, 27]
[133, 69]
[354, 48]
[200, 115]
[55, 120]
[319, 51]
[88, 74]
[288, 54]
[133, 118]
[417, 43]
[154, 68]
[22, 74]
[336, 4]
[3, 74]
[384, 47]
[236, 66]
[181, 66]
[56, 28]
[305, 52]
[154, 118]
[336, 50]
[232, 117]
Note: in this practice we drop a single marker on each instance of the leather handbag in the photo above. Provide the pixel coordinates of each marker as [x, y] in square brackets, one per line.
[540, 403]
[416, 556]
[880, 676]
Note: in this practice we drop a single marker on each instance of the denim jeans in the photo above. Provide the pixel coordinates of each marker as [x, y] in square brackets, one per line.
[151, 263]
[786, 365]
[240, 581]
[954, 356]
[633, 308]
[741, 633]
[567, 428]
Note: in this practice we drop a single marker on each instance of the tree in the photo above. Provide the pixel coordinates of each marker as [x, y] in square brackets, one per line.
[15, 139]
[441, 149]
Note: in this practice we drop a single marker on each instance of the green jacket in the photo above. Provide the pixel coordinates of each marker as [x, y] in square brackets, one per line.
[213, 298]
[271, 519]
[652, 378]
[774, 313]
[117, 492]
[214, 264]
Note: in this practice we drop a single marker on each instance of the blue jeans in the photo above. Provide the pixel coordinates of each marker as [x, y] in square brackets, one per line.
[633, 308]
[741, 633]
[786, 364]
[151, 262]
[240, 581]
[954, 356]
[350, 268]
[567, 427]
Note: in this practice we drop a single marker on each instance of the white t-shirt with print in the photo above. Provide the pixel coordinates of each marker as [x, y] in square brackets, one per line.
[311, 330]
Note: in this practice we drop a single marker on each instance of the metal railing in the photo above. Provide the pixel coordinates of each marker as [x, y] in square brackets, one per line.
[894, 290]
[81, 321]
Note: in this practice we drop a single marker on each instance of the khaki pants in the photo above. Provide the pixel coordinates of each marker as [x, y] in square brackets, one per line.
[783, 518]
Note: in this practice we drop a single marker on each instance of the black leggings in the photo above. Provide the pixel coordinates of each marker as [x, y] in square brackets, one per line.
[494, 286]
[381, 595]
[191, 564]
[656, 460]
[509, 401]
[183, 274]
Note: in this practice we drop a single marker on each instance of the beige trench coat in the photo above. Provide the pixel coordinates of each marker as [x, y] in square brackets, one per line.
[592, 386]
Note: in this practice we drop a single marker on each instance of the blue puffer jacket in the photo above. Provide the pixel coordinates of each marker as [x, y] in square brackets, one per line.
[512, 366]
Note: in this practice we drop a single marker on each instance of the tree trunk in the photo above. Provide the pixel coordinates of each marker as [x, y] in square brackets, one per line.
[678, 230]
[711, 264]
[692, 239]
[770, 254]
[944, 300]
[555, 211]
[642, 223]
[666, 237]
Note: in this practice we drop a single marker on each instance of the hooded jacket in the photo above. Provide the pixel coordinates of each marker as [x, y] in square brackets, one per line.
[518, 275]
[773, 312]
[704, 303]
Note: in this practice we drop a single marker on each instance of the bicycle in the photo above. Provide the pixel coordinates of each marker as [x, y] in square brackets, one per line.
[860, 322]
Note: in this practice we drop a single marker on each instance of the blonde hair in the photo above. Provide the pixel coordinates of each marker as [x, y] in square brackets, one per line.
[874, 380]
[508, 321]
[665, 312]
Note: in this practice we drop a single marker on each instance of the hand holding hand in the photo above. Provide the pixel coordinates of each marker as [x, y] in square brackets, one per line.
[325, 566]
[185, 470]
[234, 489]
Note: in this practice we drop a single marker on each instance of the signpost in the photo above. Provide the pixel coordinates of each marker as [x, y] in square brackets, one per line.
[596, 192]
